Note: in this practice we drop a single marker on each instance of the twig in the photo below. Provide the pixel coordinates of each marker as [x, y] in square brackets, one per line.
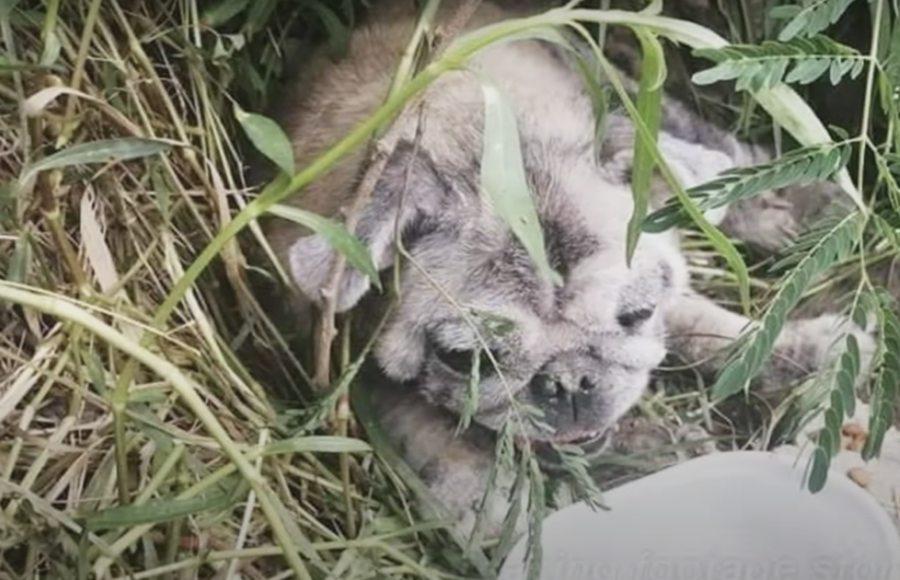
[69, 123]
[380, 152]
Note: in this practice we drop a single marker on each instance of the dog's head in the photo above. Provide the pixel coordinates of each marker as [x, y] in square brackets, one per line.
[581, 352]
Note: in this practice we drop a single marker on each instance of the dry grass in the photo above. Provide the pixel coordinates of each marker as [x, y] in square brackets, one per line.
[84, 427]
[180, 465]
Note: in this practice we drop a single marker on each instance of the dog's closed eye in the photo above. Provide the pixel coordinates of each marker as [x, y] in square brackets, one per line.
[458, 361]
[461, 361]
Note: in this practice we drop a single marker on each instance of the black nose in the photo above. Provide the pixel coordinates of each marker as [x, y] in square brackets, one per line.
[563, 399]
[552, 389]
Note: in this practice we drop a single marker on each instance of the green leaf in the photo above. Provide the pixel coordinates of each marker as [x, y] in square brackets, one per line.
[847, 373]
[503, 178]
[336, 234]
[649, 106]
[818, 473]
[784, 12]
[52, 49]
[756, 346]
[104, 151]
[96, 372]
[801, 166]
[7, 7]
[336, 31]
[318, 444]
[546, 33]
[891, 64]
[762, 66]
[599, 95]
[221, 12]
[813, 18]
[268, 138]
[887, 374]
[165, 510]
[21, 261]
[7, 203]
[162, 191]
[833, 416]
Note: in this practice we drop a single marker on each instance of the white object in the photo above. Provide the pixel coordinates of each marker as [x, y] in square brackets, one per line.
[882, 473]
[735, 515]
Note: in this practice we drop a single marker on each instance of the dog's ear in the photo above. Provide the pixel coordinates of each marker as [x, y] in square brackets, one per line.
[407, 196]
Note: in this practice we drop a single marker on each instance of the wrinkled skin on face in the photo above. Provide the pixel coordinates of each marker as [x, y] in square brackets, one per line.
[580, 352]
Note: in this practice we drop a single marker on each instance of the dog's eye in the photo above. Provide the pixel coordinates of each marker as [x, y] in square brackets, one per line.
[635, 317]
[458, 361]
[461, 361]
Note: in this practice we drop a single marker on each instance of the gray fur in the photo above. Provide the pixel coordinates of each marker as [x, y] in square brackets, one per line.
[584, 352]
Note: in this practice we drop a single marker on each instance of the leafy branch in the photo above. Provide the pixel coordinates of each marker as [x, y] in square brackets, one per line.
[754, 348]
[801, 166]
[770, 63]
[811, 19]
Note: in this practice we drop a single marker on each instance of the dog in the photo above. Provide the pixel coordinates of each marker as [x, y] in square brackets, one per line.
[581, 352]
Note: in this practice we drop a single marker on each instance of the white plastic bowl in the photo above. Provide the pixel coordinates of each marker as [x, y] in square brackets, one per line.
[726, 516]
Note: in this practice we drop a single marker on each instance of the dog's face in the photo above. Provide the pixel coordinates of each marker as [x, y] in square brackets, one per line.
[581, 353]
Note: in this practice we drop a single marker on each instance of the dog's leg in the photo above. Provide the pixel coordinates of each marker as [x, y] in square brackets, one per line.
[702, 332]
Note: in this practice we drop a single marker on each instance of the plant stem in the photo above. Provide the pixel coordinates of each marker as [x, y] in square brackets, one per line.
[68, 125]
[867, 102]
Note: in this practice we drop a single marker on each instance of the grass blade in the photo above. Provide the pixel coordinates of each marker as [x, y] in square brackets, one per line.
[103, 151]
[649, 107]
[503, 178]
[165, 510]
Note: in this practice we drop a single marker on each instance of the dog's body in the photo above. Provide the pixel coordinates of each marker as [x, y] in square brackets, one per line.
[582, 352]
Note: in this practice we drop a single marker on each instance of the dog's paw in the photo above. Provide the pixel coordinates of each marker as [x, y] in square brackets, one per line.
[765, 222]
[809, 346]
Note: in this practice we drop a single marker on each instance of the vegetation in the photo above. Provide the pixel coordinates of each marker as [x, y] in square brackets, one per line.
[141, 437]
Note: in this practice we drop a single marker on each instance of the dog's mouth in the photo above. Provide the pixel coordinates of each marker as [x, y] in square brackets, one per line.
[549, 454]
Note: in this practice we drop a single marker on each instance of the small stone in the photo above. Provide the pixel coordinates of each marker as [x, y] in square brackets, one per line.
[860, 477]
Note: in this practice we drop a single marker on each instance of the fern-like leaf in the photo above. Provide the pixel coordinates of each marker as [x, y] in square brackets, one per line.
[811, 19]
[839, 403]
[804, 244]
[802, 166]
[887, 374]
[765, 65]
[891, 63]
[753, 349]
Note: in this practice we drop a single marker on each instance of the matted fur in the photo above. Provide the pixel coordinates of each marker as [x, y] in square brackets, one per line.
[583, 352]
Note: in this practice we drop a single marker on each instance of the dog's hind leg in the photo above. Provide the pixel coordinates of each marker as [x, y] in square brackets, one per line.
[702, 333]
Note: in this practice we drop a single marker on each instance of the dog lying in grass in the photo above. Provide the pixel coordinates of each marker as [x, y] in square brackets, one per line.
[581, 352]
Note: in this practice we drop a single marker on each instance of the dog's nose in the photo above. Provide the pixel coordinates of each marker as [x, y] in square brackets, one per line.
[563, 397]
[556, 388]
